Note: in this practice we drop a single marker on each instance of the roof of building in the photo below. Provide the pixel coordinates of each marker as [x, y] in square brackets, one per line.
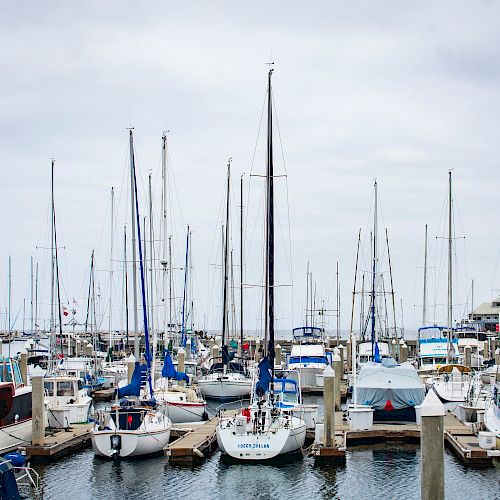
[488, 307]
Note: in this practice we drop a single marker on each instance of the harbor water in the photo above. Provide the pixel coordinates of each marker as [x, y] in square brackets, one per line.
[386, 472]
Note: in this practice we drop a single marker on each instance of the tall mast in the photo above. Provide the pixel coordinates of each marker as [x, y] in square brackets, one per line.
[31, 295]
[450, 272]
[52, 279]
[110, 326]
[424, 305]
[338, 305]
[36, 297]
[374, 269]
[10, 300]
[392, 285]
[134, 251]
[186, 264]
[166, 241]
[125, 282]
[307, 292]
[354, 287]
[270, 229]
[241, 261]
[151, 280]
[225, 269]
[170, 298]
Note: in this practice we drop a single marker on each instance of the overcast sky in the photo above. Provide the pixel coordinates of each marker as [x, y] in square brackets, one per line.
[400, 91]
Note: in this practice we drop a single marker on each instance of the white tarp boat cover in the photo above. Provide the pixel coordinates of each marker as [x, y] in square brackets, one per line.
[379, 383]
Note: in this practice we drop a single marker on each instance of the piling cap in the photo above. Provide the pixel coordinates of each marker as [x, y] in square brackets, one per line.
[497, 350]
[131, 359]
[181, 350]
[328, 372]
[336, 357]
[278, 347]
[401, 341]
[393, 342]
[432, 406]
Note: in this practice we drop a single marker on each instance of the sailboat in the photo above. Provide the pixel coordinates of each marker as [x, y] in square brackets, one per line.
[226, 378]
[133, 426]
[264, 430]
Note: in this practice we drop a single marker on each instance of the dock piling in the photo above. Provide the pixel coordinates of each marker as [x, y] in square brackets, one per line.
[37, 412]
[468, 356]
[432, 448]
[337, 369]
[277, 357]
[24, 367]
[130, 367]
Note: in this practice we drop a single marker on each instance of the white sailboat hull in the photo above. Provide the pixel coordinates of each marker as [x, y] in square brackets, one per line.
[133, 443]
[262, 446]
[185, 412]
[224, 387]
[451, 392]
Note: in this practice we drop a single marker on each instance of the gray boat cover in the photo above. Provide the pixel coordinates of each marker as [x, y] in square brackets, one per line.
[380, 385]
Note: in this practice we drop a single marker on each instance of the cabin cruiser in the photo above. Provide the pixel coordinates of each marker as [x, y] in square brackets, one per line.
[365, 351]
[391, 389]
[66, 401]
[308, 356]
[433, 348]
[15, 406]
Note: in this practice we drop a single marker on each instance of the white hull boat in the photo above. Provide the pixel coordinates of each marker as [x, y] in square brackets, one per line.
[140, 431]
[492, 414]
[242, 438]
[452, 386]
[225, 386]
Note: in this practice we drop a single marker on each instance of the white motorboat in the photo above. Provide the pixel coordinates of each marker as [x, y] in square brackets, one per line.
[452, 383]
[130, 431]
[488, 375]
[433, 348]
[308, 357]
[66, 401]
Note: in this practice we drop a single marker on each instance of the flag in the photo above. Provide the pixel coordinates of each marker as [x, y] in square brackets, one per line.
[65, 311]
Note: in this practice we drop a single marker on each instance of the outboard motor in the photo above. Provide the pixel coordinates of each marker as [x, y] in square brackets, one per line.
[116, 445]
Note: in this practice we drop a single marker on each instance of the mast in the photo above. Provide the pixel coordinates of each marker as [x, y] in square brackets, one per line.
[36, 297]
[52, 226]
[10, 300]
[338, 305]
[225, 269]
[392, 285]
[31, 295]
[307, 292]
[125, 282]
[166, 241]
[133, 194]
[354, 287]
[450, 273]
[424, 306]
[241, 262]
[186, 263]
[110, 326]
[170, 298]
[270, 232]
[374, 270]
[143, 288]
[151, 284]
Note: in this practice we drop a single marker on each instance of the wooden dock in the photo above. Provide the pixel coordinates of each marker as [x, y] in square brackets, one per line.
[194, 445]
[61, 443]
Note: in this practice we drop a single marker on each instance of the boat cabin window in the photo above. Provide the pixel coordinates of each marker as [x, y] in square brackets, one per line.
[49, 388]
[65, 388]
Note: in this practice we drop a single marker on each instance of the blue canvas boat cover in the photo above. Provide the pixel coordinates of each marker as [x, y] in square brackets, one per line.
[169, 371]
[134, 388]
[379, 383]
[262, 385]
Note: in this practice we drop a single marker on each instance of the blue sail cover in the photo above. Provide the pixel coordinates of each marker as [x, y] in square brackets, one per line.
[134, 388]
[168, 370]
[376, 357]
[262, 385]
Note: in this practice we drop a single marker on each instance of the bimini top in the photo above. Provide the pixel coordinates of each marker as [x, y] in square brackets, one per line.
[308, 332]
[449, 369]
[434, 327]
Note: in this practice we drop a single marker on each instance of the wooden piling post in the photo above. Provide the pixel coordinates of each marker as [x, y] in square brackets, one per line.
[404, 353]
[130, 367]
[349, 355]
[215, 352]
[337, 368]
[468, 356]
[329, 395]
[342, 356]
[181, 362]
[497, 356]
[432, 448]
[24, 367]
[277, 357]
[37, 412]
